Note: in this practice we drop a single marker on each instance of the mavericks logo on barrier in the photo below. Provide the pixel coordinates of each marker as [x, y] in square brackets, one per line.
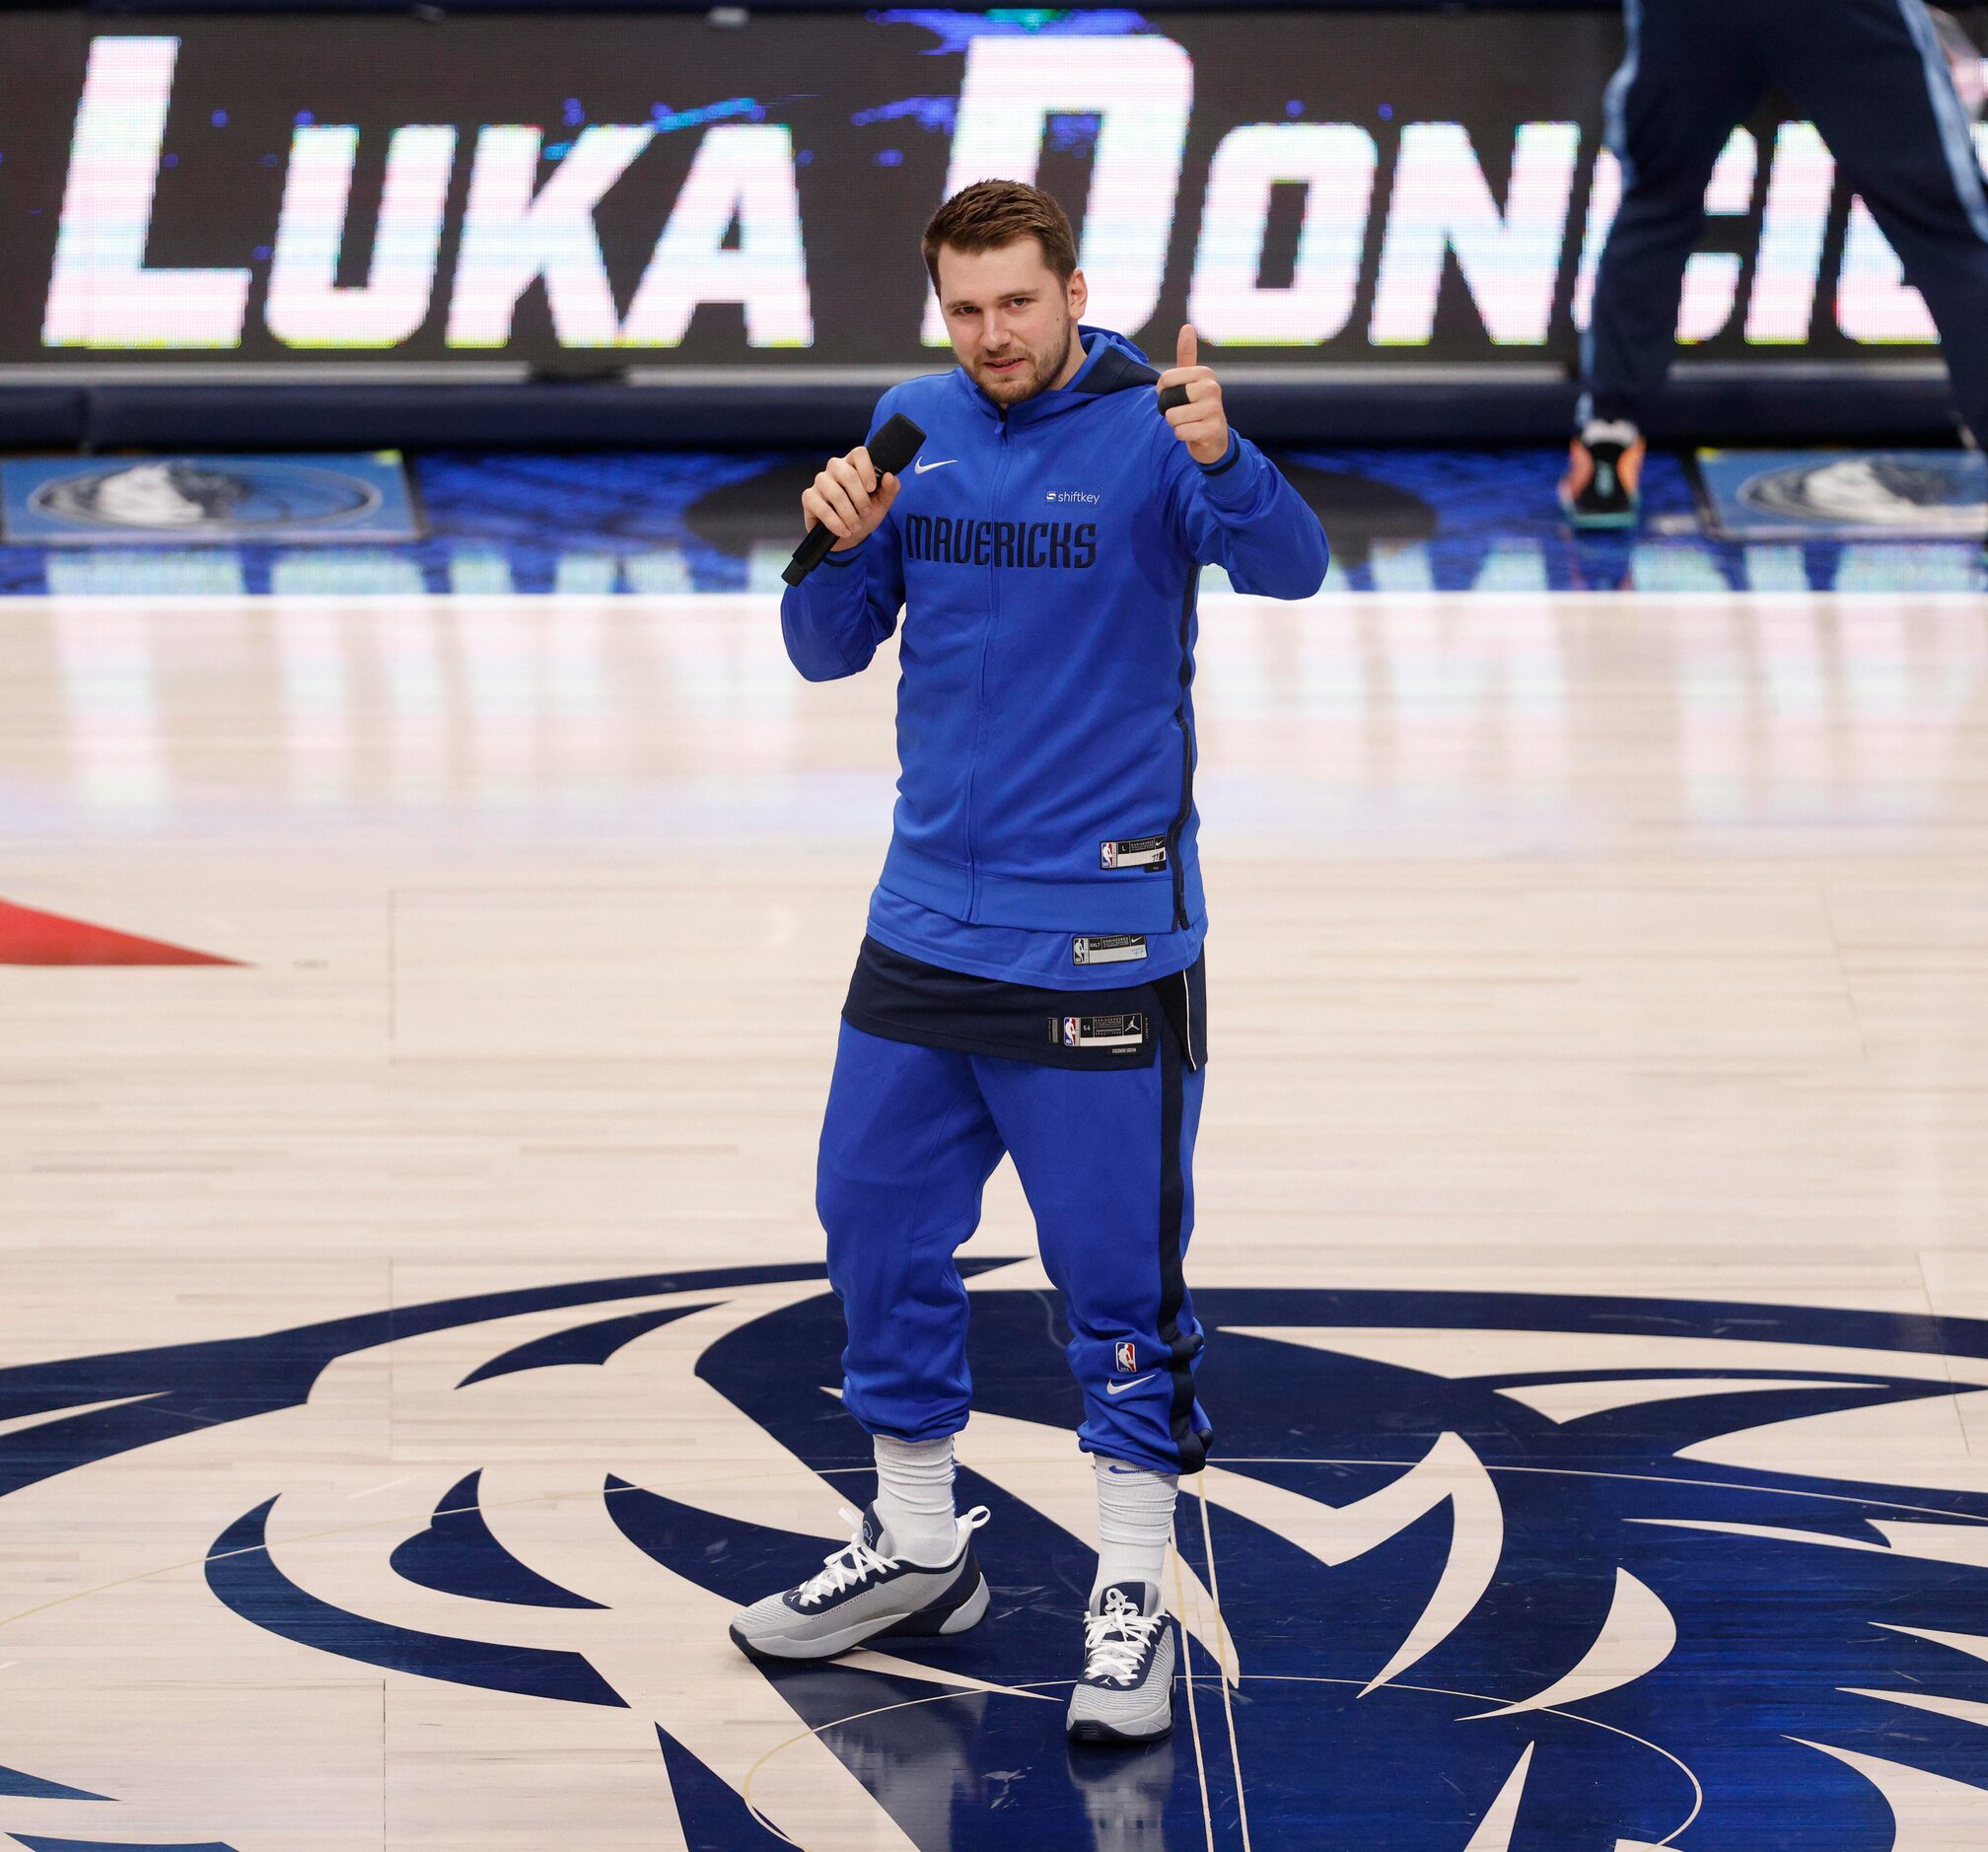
[1856, 495]
[50, 503]
[1490, 1565]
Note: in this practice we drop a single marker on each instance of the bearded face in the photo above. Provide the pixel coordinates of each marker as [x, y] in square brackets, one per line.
[1011, 319]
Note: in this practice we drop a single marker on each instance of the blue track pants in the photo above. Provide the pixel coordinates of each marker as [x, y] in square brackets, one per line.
[912, 1135]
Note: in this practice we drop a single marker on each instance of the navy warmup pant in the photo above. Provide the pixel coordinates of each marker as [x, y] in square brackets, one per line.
[912, 1135]
[1871, 77]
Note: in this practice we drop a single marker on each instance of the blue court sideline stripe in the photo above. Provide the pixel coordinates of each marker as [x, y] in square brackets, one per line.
[1956, 140]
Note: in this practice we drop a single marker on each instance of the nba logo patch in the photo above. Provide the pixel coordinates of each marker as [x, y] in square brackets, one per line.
[1128, 1356]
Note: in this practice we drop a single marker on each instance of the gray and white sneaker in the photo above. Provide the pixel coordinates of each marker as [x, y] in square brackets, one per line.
[1126, 1694]
[863, 1593]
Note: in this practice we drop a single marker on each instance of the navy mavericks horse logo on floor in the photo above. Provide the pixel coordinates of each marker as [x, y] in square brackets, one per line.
[1469, 1572]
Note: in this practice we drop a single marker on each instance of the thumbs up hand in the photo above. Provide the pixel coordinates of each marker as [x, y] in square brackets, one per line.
[1198, 421]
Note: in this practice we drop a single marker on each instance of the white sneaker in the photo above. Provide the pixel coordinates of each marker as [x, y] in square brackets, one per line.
[1126, 1694]
[863, 1591]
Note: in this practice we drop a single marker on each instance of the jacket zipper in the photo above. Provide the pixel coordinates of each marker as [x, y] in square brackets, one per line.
[1180, 823]
[986, 637]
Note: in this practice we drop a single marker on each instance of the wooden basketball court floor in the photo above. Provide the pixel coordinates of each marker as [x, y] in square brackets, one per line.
[413, 1337]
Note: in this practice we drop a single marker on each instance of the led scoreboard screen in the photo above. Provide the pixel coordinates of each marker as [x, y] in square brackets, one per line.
[665, 190]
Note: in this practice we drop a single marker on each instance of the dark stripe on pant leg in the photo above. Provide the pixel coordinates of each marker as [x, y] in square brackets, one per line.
[1181, 1347]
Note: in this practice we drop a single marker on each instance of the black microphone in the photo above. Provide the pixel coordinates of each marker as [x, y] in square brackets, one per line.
[890, 450]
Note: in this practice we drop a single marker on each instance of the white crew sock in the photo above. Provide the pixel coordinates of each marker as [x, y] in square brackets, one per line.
[914, 1498]
[1135, 1523]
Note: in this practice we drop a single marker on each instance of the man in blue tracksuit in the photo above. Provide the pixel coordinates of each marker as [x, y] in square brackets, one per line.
[1876, 79]
[1031, 983]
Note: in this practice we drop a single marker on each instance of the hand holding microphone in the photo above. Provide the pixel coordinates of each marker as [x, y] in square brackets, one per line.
[850, 496]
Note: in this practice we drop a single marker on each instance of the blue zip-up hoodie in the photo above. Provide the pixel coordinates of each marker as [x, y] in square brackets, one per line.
[1046, 557]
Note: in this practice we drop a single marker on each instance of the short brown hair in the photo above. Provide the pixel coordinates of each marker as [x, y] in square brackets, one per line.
[991, 214]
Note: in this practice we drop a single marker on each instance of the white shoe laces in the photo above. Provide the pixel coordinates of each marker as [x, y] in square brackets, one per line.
[856, 1562]
[842, 1569]
[1116, 1641]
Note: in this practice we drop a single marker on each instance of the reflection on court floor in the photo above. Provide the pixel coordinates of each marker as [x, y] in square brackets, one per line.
[1432, 716]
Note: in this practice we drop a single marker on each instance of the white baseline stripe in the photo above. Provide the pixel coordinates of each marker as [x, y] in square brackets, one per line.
[1221, 1636]
[1193, 1716]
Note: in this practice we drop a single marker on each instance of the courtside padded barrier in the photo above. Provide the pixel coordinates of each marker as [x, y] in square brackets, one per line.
[1354, 405]
[42, 417]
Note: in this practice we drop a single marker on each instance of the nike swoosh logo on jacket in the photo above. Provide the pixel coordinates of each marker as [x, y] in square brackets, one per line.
[1048, 589]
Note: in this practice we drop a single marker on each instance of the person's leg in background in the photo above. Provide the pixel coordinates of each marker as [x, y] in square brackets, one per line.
[1875, 78]
[1690, 73]
[907, 1145]
[1106, 1161]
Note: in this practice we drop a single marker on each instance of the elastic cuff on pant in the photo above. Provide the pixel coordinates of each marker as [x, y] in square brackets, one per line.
[918, 1438]
[1190, 1459]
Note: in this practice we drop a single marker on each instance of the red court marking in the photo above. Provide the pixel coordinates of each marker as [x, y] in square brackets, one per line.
[31, 937]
